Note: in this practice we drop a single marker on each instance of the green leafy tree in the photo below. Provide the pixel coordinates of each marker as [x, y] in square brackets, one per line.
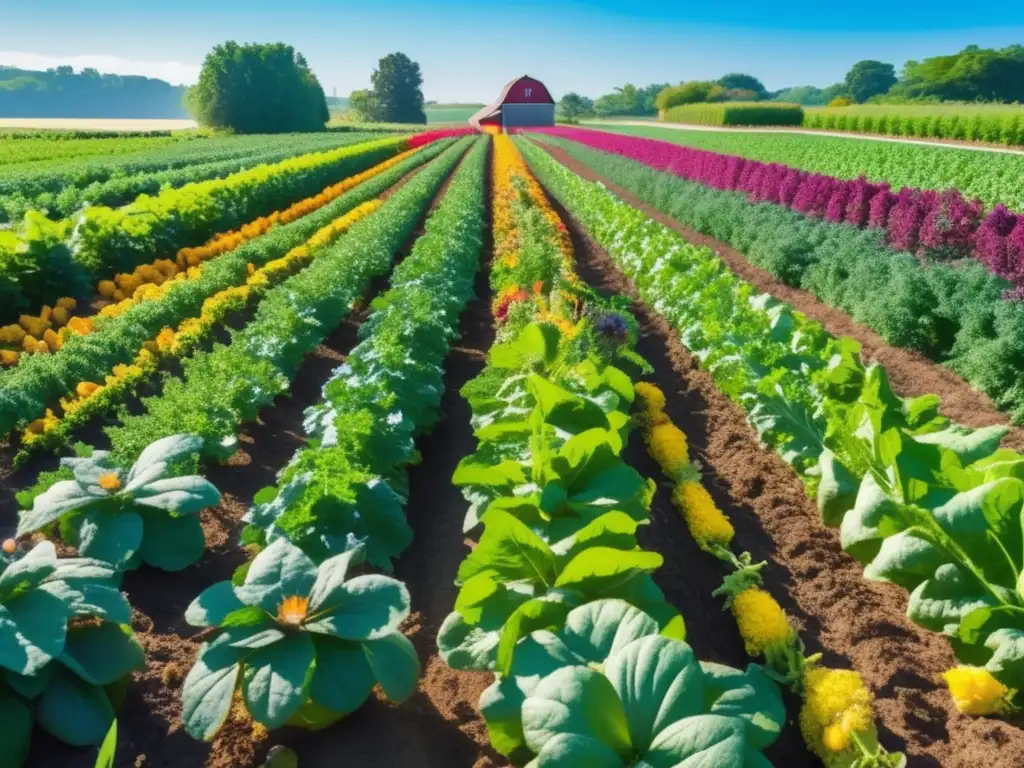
[363, 104]
[737, 81]
[692, 92]
[258, 88]
[572, 105]
[869, 78]
[396, 95]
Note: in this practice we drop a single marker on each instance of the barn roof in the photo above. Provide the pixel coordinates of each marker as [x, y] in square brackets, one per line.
[494, 107]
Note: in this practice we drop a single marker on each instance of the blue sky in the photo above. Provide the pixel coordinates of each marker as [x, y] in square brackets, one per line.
[469, 50]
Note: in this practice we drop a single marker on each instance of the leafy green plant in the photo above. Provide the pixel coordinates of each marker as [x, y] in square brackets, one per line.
[66, 647]
[300, 644]
[610, 695]
[147, 514]
[108, 749]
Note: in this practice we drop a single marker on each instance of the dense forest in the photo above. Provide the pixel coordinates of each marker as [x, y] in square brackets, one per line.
[62, 92]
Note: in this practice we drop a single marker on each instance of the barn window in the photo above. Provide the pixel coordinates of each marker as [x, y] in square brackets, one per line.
[528, 92]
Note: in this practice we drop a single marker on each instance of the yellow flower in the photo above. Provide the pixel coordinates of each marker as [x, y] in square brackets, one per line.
[292, 610]
[9, 356]
[86, 388]
[67, 302]
[653, 398]
[975, 691]
[667, 445]
[761, 621]
[837, 704]
[706, 522]
[109, 481]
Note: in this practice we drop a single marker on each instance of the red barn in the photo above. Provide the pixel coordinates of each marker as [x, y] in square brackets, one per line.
[524, 102]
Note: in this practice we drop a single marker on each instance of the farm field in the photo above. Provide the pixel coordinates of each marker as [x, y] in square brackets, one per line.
[566, 448]
[94, 124]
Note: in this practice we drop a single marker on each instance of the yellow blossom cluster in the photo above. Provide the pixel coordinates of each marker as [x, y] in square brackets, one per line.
[762, 622]
[976, 691]
[153, 281]
[707, 524]
[837, 710]
[38, 334]
[174, 343]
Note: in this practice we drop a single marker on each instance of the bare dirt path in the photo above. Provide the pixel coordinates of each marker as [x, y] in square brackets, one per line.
[910, 373]
[947, 143]
[853, 622]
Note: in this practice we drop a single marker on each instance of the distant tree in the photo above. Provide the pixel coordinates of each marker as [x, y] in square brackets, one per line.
[973, 74]
[869, 78]
[572, 106]
[396, 92]
[692, 92]
[741, 94]
[363, 104]
[258, 88]
[737, 81]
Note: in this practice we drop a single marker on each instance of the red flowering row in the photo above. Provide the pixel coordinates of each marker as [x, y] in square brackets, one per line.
[928, 223]
[443, 133]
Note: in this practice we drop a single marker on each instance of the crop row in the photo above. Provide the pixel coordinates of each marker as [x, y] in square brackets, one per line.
[51, 259]
[25, 391]
[556, 597]
[122, 188]
[932, 225]
[992, 177]
[340, 503]
[953, 313]
[837, 718]
[121, 513]
[998, 124]
[920, 502]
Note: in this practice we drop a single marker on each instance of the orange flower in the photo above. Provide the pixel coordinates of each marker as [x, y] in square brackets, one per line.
[109, 481]
[292, 611]
[86, 388]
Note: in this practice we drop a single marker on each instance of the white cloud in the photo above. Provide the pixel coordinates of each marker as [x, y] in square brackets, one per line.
[173, 72]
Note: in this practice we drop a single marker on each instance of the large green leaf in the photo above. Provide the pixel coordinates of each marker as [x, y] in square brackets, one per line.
[178, 495]
[704, 740]
[33, 628]
[343, 677]
[605, 566]
[363, 608]
[279, 571]
[576, 701]
[108, 534]
[508, 550]
[172, 543]
[49, 506]
[157, 457]
[102, 654]
[74, 711]
[209, 688]
[16, 725]
[29, 571]
[565, 410]
[659, 682]
[213, 605]
[749, 695]
[275, 679]
[395, 664]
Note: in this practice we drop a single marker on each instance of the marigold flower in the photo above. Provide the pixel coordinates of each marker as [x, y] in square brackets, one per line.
[10, 546]
[292, 610]
[66, 302]
[86, 388]
[109, 481]
[837, 705]
[761, 621]
[976, 691]
[9, 356]
[60, 315]
[51, 339]
[706, 522]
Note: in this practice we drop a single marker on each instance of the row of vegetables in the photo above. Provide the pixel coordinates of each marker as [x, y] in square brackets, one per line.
[920, 502]
[60, 189]
[43, 259]
[127, 508]
[122, 331]
[953, 313]
[929, 223]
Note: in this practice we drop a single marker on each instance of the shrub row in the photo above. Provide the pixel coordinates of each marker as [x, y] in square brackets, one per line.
[736, 113]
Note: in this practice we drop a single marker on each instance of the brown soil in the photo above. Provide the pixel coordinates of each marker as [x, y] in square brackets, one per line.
[150, 732]
[910, 373]
[854, 623]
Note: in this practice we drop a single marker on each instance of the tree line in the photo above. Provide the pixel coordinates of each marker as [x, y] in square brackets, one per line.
[973, 74]
[61, 92]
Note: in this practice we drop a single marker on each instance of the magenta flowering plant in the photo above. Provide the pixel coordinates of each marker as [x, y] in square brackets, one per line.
[930, 224]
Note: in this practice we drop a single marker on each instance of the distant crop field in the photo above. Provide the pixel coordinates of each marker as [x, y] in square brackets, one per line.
[450, 113]
[93, 124]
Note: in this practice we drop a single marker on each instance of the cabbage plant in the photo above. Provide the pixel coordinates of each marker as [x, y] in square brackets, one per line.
[602, 634]
[66, 646]
[300, 644]
[146, 514]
